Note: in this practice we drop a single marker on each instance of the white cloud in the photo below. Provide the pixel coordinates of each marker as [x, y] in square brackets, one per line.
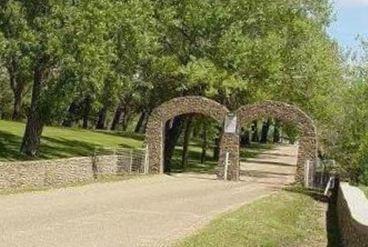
[347, 3]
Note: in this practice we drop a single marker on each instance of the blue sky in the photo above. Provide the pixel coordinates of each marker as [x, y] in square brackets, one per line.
[351, 20]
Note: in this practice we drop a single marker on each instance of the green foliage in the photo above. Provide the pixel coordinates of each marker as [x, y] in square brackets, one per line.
[137, 54]
[347, 136]
[361, 159]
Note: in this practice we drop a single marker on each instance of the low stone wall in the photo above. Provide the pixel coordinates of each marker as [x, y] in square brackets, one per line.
[352, 210]
[41, 173]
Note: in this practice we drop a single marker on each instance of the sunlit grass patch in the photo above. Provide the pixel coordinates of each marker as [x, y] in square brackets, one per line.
[282, 219]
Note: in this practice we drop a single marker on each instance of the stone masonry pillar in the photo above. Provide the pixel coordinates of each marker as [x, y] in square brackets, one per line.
[229, 150]
[229, 143]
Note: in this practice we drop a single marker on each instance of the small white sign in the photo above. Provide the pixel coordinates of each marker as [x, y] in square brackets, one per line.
[230, 123]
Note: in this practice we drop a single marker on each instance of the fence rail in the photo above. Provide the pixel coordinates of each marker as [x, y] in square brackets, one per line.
[128, 160]
[318, 173]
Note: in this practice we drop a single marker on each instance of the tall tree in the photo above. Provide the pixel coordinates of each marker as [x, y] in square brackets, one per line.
[16, 56]
[56, 51]
[188, 128]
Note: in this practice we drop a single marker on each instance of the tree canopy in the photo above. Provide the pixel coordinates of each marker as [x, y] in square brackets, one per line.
[103, 64]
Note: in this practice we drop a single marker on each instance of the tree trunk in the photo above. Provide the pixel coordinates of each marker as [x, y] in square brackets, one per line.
[245, 138]
[101, 118]
[86, 111]
[265, 129]
[17, 86]
[72, 112]
[141, 121]
[216, 148]
[17, 104]
[126, 119]
[276, 132]
[144, 125]
[117, 117]
[171, 138]
[187, 134]
[34, 126]
[204, 145]
[255, 137]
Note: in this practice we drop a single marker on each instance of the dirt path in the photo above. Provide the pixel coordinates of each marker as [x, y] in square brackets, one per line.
[152, 211]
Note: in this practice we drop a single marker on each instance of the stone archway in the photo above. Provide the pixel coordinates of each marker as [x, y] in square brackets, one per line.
[288, 114]
[187, 105]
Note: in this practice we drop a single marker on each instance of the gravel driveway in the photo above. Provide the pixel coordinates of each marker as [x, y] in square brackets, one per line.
[151, 211]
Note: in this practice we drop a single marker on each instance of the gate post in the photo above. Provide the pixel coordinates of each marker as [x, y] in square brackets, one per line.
[229, 144]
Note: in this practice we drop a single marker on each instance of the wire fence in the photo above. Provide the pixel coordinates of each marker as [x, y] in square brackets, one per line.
[318, 173]
[127, 160]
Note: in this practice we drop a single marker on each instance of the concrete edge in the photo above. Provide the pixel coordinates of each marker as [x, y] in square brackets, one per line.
[357, 204]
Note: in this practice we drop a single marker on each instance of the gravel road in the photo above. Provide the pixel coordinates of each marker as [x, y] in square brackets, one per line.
[149, 211]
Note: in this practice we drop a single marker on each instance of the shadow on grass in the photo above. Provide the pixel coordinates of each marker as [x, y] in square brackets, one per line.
[9, 147]
[50, 148]
[210, 165]
[333, 233]
[253, 150]
[61, 147]
[132, 135]
[194, 164]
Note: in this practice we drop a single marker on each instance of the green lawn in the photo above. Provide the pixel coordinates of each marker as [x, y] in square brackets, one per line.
[282, 219]
[61, 142]
[58, 142]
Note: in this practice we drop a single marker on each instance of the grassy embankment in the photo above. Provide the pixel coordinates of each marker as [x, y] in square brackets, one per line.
[282, 219]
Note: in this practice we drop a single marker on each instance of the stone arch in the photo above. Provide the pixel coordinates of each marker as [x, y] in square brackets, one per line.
[176, 107]
[288, 114]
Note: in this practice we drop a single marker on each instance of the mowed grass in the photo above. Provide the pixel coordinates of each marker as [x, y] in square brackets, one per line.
[59, 142]
[62, 142]
[282, 219]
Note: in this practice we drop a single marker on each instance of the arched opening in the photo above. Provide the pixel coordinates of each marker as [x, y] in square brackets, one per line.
[191, 145]
[288, 115]
[161, 117]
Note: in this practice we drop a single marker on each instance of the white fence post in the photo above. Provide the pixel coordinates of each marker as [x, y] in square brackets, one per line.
[145, 164]
[131, 161]
[306, 174]
[226, 165]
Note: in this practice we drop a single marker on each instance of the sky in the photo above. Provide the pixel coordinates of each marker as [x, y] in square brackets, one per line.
[351, 20]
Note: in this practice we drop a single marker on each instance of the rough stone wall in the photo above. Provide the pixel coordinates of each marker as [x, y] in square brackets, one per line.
[106, 164]
[28, 174]
[229, 143]
[352, 210]
[177, 107]
[287, 114]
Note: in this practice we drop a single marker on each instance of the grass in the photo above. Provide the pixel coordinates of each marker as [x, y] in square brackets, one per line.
[282, 219]
[62, 142]
[58, 142]
[210, 164]
[364, 189]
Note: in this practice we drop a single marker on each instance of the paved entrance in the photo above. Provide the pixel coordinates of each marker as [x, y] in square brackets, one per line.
[153, 211]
